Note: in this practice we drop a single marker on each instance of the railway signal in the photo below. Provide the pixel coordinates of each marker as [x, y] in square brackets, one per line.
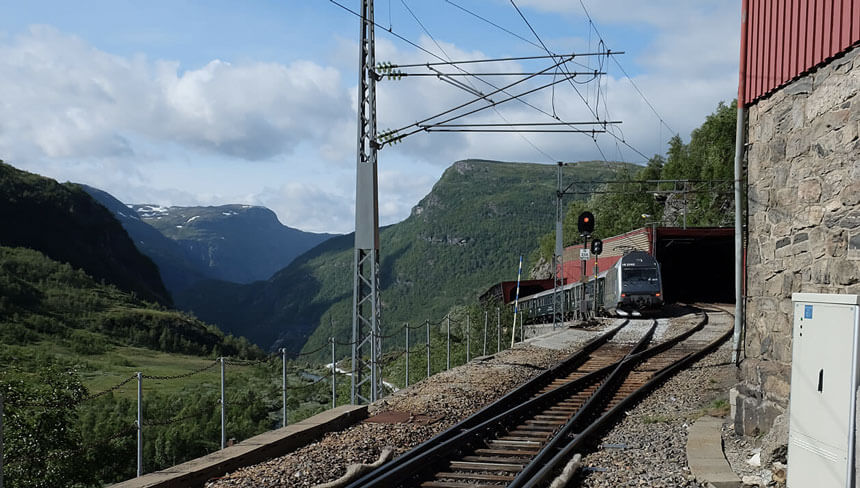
[596, 247]
[585, 224]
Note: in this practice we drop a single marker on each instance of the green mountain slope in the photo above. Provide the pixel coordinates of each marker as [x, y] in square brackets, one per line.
[65, 338]
[67, 225]
[42, 300]
[238, 243]
[467, 234]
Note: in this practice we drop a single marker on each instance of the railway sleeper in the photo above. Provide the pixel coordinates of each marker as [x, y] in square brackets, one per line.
[505, 467]
[475, 476]
[532, 429]
[493, 459]
[448, 484]
[526, 444]
[508, 452]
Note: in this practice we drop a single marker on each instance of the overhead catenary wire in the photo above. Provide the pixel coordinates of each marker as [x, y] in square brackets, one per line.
[440, 58]
[545, 48]
[411, 43]
[471, 112]
[593, 26]
[500, 73]
[473, 89]
[593, 112]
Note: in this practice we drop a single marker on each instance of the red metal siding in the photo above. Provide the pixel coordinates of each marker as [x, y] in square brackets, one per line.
[786, 38]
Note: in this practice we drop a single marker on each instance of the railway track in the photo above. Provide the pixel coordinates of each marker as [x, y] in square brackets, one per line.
[522, 439]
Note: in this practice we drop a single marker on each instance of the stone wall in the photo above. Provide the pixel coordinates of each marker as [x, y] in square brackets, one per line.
[804, 223]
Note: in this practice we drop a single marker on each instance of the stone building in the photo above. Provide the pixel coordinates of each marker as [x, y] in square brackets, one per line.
[800, 78]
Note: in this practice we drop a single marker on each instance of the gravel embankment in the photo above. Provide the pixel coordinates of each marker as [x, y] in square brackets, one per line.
[645, 449]
[447, 397]
[648, 447]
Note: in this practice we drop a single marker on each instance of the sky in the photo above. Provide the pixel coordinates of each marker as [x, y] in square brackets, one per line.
[188, 102]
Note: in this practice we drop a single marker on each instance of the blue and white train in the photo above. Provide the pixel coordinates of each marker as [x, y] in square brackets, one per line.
[631, 286]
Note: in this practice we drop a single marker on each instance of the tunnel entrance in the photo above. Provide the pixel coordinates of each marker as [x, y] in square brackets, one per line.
[697, 264]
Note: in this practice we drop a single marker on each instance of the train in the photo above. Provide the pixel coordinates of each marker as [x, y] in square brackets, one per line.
[632, 285]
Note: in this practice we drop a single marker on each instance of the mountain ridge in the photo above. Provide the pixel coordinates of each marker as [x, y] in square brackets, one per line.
[466, 234]
[234, 242]
[63, 222]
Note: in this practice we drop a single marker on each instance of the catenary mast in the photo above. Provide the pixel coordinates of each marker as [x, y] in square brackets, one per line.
[366, 304]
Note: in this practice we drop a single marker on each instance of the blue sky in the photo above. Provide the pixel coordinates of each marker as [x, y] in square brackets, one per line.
[192, 102]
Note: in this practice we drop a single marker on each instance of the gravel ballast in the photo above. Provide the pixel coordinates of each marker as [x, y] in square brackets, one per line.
[646, 448]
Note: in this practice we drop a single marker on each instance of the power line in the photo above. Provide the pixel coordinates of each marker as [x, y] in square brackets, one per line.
[593, 112]
[533, 145]
[499, 60]
[593, 26]
[420, 48]
[500, 73]
[441, 59]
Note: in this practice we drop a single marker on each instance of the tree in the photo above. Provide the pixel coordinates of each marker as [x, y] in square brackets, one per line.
[41, 440]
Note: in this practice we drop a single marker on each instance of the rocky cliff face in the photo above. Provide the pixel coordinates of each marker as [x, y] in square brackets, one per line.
[542, 270]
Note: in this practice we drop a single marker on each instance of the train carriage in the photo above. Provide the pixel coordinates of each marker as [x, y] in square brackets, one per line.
[632, 285]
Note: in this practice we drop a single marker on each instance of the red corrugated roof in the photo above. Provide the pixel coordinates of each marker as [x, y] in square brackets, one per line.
[783, 39]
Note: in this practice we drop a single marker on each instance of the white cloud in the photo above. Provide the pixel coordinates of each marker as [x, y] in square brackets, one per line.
[283, 134]
[316, 209]
[64, 98]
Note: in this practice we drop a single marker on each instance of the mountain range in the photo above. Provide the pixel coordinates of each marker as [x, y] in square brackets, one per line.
[465, 235]
[233, 243]
[237, 267]
[238, 243]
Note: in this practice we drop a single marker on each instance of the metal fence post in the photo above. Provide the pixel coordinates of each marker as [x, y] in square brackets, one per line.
[139, 423]
[284, 384]
[333, 376]
[486, 317]
[427, 323]
[1, 441]
[468, 337]
[522, 331]
[223, 409]
[498, 329]
[407, 355]
[448, 356]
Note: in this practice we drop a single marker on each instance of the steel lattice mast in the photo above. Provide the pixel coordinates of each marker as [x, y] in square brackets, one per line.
[558, 257]
[366, 304]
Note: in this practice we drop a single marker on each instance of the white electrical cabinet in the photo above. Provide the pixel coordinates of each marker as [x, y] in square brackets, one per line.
[823, 385]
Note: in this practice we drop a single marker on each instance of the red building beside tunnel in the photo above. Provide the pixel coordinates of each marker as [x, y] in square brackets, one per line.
[696, 263]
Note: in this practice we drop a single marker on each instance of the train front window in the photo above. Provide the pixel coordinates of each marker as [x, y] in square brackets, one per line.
[640, 274]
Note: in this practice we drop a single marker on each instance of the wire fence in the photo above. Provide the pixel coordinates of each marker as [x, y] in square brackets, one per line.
[441, 331]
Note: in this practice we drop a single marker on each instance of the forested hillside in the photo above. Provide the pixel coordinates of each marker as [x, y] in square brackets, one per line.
[708, 156]
[67, 225]
[43, 300]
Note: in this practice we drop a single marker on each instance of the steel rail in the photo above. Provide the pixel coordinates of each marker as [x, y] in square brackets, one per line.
[624, 367]
[519, 395]
[538, 475]
[457, 445]
[462, 439]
